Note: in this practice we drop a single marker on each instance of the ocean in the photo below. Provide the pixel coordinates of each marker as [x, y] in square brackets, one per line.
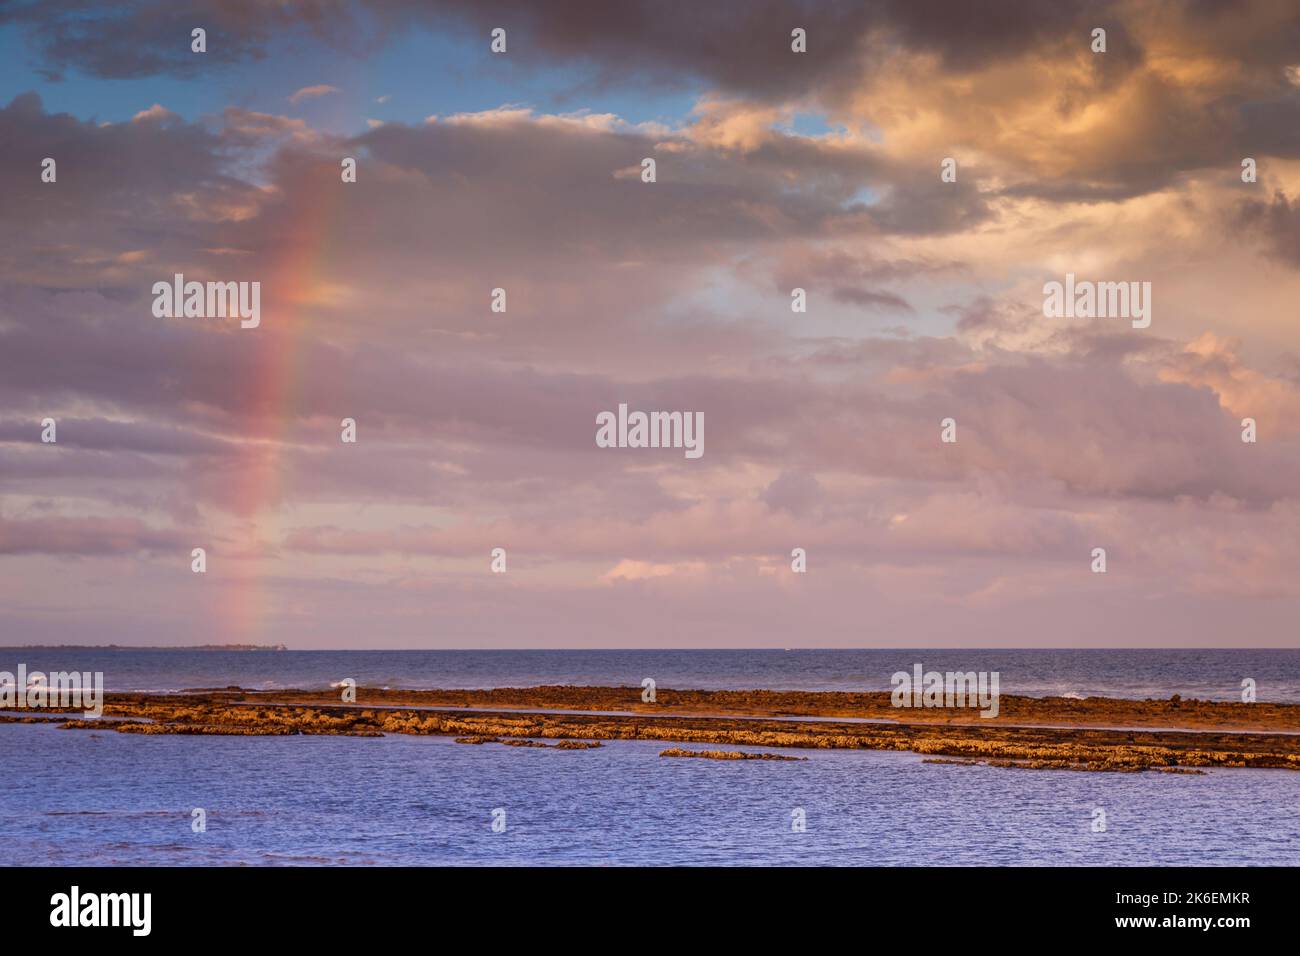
[1139, 674]
[99, 797]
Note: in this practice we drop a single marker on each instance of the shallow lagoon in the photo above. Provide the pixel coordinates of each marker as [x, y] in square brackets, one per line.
[99, 797]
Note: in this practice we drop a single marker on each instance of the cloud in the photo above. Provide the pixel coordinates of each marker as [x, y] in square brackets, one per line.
[153, 37]
[1276, 222]
[84, 536]
[476, 427]
[312, 92]
[155, 113]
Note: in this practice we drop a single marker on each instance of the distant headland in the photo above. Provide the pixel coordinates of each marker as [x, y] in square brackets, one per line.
[144, 647]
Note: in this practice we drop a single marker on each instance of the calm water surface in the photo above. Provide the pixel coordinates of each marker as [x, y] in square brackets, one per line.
[74, 797]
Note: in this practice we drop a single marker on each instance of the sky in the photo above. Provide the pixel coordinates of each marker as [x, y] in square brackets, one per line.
[775, 170]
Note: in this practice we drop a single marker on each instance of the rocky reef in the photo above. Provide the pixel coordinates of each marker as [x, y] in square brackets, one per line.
[1174, 712]
[1047, 733]
[725, 754]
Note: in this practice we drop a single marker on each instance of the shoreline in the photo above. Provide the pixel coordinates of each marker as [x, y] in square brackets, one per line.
[1176, 736]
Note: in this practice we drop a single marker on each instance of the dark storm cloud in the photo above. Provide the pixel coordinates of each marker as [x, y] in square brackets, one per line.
[742, 47]
[152, 37]
[103, 169]
[1276, 222]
